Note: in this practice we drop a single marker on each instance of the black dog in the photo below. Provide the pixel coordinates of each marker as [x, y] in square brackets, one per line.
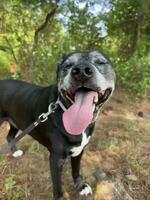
[85, 81]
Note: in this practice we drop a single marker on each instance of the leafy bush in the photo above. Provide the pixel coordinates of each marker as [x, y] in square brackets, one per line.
[4, 65]
[134, 74]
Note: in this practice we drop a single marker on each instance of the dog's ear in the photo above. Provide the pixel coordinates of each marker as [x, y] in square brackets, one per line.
[59, 64]
[63, 58]
[57, 70]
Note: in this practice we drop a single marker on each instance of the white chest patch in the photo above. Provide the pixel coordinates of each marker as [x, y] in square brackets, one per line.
[77, 150]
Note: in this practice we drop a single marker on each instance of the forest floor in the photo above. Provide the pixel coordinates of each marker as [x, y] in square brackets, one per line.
[120, 147]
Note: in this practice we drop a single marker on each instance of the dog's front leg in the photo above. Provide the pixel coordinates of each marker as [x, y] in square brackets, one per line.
[56, 165]
[81, 186]
[75, 164]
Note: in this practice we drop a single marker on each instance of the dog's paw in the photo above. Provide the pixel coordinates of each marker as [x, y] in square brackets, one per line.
[82, 187]
[17, 153]
[86, 190]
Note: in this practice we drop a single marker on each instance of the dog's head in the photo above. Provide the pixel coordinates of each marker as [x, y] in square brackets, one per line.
[86, 80]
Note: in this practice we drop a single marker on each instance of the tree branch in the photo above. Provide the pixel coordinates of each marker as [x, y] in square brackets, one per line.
[49, 16]
[4, 48]
[11, 49]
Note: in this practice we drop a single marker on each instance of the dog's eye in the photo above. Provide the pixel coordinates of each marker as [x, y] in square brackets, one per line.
[100, 62]
[67, 66]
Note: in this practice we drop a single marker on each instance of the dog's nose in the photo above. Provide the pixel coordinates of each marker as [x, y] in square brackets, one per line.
[80, 73]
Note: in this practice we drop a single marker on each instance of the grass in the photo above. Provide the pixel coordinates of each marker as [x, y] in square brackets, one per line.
[130, 126]
[135, 163]
[34, 147]
[15, 190]
[146, 133]
[130, 143]
[9, 183]
[17, 195]
[2, 163]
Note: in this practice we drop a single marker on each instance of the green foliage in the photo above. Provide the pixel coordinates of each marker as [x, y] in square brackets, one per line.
[17, 195]
[9, 183]
[128, 22]
[5, 62]
[134, 74]
[34, 147]
[120, 28]
[135, 163]
[129, 127]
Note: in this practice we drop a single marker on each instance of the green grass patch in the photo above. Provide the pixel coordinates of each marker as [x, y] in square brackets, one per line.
[109, 143]
[131, 143]
[130, 126]
[146, 133]
[135, 163]
[34, 147]
[17, 195]
[9, 183]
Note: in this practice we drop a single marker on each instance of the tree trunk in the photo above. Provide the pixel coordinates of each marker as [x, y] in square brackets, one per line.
[136, 36]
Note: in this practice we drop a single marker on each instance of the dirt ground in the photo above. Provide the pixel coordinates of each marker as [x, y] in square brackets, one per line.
[120, 147]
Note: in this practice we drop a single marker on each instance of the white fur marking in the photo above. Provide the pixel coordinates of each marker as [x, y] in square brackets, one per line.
[17, 153]
[75, 57]
[77, 150]
[102, 82]
[66, 82]
[86, 191]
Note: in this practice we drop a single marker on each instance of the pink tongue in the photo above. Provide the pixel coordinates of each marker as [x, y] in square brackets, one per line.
[80, 114]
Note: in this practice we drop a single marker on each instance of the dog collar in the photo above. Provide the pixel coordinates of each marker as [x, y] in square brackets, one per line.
[58, 102]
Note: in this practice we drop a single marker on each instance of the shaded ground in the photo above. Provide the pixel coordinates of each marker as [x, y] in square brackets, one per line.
[120, 146]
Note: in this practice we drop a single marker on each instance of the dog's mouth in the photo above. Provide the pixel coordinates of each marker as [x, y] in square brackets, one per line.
[83, 105]
[101, 96]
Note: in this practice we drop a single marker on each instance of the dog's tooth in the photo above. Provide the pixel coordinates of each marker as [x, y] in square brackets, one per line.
[93, 109]
[96, 99]
[103, 92]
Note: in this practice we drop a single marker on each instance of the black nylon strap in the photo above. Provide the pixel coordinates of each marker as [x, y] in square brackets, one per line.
[8, 146]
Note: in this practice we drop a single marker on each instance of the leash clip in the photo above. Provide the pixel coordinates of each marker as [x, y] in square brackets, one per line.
[43, 117]
[51, 109]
